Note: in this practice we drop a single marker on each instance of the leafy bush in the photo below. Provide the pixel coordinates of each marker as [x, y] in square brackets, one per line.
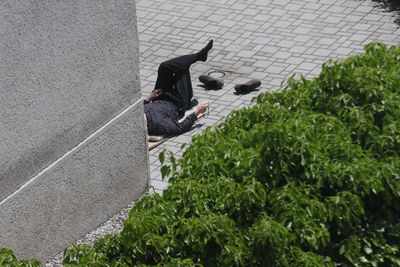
[8, 259]
[309, 176]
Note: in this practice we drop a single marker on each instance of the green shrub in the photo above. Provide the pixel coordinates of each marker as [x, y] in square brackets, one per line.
[8, 259]
[309, 176]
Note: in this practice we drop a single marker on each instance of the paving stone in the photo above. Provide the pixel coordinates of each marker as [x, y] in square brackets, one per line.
[245, 70]
[258, 75]
[158, 185]
[364, 9]
[333, 19]
[275, 69]
[282, 55]
[308, 16]
[262, 63]
[307, 66]
[312, 6]
[322, 52]
[300, 49]
[246, 53]
[343, 51]
[293, 6]
[330, 30]
[302, 29]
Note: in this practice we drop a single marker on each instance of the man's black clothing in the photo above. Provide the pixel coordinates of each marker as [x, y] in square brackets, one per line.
[163, 118]
[174, 79]
[164, 113]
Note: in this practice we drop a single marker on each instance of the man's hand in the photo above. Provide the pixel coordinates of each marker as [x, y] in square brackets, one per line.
[154, 94]
[201, 108]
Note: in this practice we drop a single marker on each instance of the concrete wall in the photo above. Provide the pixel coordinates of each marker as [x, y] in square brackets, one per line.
[72, 139]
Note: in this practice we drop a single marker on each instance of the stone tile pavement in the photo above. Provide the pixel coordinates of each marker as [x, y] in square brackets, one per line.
[265, 39]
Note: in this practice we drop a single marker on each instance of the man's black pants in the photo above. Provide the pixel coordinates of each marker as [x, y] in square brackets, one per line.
[174, 79]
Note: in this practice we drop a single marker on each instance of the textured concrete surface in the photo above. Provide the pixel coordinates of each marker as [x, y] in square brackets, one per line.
[85, 189]
[67, 67]
[72, 138]
[268, 40]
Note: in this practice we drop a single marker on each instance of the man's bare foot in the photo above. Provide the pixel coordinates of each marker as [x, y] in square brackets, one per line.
[201, 108]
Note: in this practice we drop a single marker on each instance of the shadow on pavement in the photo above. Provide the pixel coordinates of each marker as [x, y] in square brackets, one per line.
[392, 6]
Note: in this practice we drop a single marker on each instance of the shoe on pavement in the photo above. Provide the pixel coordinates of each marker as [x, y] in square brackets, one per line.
[247, 87]
[211, 82]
